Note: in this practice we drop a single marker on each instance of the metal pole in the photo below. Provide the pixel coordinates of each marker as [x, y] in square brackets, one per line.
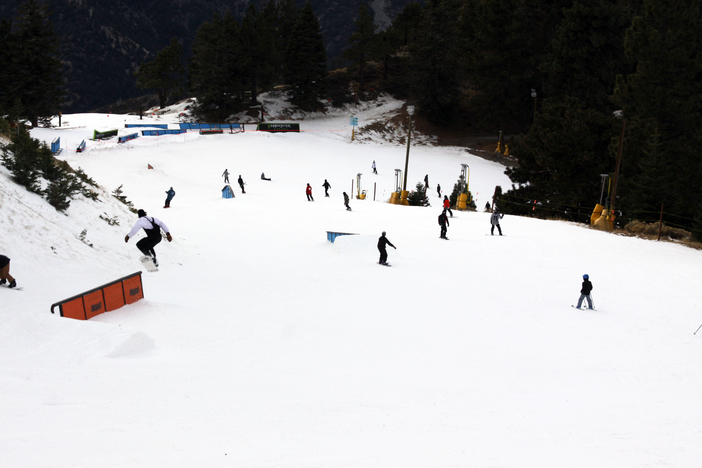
[409, 137]
[698, 329]
[616, 171]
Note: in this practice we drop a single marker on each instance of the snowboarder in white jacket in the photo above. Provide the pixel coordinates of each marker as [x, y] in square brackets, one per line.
[152, 227]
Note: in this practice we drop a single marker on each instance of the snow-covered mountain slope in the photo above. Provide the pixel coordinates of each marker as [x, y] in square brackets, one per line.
[260, 343]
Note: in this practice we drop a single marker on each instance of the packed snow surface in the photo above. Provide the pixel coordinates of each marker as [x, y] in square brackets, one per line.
[261, 344]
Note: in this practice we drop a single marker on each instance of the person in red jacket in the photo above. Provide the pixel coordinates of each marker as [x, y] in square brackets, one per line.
[309, 193]
[447, 205]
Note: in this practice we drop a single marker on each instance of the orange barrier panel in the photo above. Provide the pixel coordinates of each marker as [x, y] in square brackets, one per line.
[94, 304]
[132, 289]
[108, 297]
[114, 296]
[73, 309]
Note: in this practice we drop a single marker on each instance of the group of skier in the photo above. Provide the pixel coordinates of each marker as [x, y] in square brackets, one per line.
[153, 226]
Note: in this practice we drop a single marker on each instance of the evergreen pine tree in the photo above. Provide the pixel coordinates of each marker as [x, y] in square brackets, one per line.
[363, 45]
[435, 62]
[38, 73]
[287, 13]
[505, 42]
[652, 186]
[664, 93]
[258, 42]
[278, 19]
[561, 159]
[216, 77]
[165, 73]
[306, 61]
[418, 197]
[22, 156]
[408, 24]
[587, 52]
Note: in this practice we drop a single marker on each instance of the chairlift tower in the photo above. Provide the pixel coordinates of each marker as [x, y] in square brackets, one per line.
[398, 180]
[465, 172]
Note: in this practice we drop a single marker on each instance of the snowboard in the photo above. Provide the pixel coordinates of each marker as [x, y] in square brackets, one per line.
[384, 264]
[148, 263]
[14, 289]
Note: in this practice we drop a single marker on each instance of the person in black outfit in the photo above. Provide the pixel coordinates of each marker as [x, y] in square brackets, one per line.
[241, 184]
[5, 275]
[382, 242]
[444, 222]
[346, 202]
[585, 292]
[169, 196]
[326, 186]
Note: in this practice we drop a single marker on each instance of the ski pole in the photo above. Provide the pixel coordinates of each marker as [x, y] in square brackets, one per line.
[698, 329]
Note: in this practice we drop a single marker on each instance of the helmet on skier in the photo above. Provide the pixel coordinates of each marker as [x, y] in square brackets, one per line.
[383, 232]
[141, 213]
[586, 276]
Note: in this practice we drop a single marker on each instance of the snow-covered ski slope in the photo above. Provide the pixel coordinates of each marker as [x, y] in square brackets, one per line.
[261, 344]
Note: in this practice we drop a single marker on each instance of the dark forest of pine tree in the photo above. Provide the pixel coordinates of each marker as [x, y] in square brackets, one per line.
[549, 72]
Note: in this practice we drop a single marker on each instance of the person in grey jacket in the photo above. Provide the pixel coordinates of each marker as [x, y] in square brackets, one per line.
[495, 221]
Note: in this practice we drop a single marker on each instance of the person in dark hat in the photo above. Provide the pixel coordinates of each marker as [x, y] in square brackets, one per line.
[444, 223]
[585, 292]
[5, 275]
[152, 227]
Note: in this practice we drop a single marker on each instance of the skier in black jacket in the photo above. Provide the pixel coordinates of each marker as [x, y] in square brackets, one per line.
[585, 292]
[444, 223]
[382, 242]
